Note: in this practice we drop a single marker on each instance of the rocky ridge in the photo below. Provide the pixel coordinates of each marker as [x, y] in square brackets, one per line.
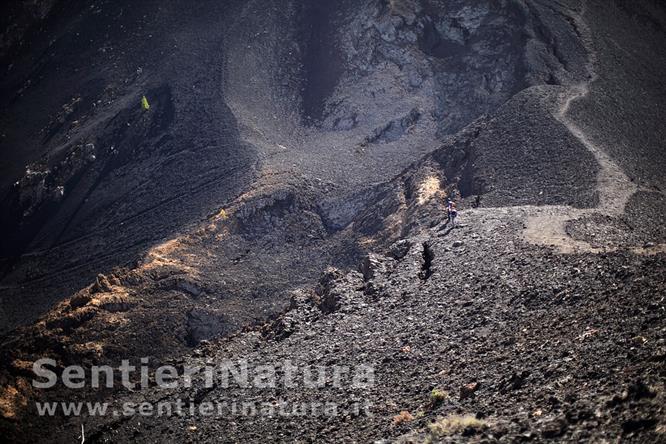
[539, 318]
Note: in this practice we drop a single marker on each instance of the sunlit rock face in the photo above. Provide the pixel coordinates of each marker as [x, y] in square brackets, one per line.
[268, 179]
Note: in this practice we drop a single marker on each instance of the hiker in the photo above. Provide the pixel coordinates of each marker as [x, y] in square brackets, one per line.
[452, 211]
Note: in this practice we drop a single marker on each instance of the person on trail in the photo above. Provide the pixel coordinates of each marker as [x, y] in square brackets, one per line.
[452, 211]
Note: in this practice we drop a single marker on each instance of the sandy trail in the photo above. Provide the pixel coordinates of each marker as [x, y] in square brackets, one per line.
[546, 225]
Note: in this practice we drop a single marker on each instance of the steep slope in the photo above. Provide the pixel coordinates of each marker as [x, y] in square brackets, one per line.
[244, 95]
[541, 317]
[97, 181]
[536, 345]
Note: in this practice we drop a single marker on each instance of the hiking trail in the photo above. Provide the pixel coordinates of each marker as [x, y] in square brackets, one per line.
[546, 225]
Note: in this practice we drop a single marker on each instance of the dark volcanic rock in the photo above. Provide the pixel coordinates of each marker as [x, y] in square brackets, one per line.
[204, 324]
[280, 198]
